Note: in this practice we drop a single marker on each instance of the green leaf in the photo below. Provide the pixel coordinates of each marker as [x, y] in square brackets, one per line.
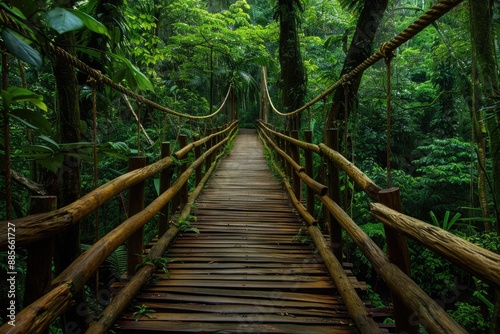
[63, 20]
[49, 140]
[91, 23]
[31, 119]
[134, 77]
[52, 163]
[18, 94]
[20, 49]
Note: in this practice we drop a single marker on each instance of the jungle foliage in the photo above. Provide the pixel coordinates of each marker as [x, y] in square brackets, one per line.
[184, 54]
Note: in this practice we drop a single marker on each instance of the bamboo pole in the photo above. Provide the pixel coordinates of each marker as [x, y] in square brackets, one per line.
[183, 193]
[304, 145]
[476, 260]
[295, 154]
[165, 182]
[427, 312]
[120, 302]
[309, 171]
[36, 317]
[41, 313]
[41, 226]
[355, 306]
[352, 171]
[135, 244]
[199, 171]
[333, 183]
[397, 250]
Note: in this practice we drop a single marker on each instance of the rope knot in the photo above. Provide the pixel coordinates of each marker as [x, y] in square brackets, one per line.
[386, 52]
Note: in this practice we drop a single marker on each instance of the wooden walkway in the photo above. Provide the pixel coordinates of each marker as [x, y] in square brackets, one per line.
[244, 272]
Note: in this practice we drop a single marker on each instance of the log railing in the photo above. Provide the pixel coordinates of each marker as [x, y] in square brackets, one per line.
[36, 229]
[412, 306]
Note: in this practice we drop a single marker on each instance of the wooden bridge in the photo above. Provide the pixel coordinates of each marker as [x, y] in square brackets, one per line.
[245, 271]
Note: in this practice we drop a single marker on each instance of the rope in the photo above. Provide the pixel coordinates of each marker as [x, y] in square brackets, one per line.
[97, 75]
[433, 14]
[6, 138]
[96, 176]
[139, 104]
[388, 58]
[61, 53]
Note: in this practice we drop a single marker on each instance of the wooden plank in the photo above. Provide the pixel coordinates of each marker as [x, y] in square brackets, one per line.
[244, 272]
[243, 327]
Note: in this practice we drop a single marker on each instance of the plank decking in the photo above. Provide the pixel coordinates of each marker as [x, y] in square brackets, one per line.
[244, 272]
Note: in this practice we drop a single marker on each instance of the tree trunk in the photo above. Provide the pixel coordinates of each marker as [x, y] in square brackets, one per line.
[359, 50]
[483, 51]
[293, 73]
[67, 244]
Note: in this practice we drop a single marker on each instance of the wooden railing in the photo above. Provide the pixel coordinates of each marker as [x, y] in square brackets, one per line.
[38, 229]
[412, 306]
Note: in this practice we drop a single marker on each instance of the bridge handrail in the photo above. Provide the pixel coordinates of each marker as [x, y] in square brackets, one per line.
[41, 226]
[355, 306]
[37, 316]
[361, 180]
[476, 260]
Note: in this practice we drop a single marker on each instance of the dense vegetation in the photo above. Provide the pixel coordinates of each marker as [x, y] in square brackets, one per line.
[184, 54]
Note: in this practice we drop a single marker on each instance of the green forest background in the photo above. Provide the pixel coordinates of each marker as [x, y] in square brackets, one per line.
[185, 54]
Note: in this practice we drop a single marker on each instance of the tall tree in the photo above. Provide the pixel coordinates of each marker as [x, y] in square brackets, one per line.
[67, 244]
[483, 51]
[293, 74]
[371, 13]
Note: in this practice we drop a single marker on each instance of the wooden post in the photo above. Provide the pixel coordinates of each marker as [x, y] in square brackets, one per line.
[308, 155]
[40, 253]
[208, 145]
[198, 170]
[397, 250]
[135, 244]
[183, 193]
[295, 154]
[333, 183]
[288, 151]
[165, 181]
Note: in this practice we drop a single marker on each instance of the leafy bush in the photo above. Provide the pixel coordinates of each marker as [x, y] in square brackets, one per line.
[470, 317]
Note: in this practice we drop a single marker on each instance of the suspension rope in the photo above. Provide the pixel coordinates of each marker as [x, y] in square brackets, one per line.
[388, 58]
[433, 14]
[96, 175]
[139, 98]
[55, 50]
[139, 105]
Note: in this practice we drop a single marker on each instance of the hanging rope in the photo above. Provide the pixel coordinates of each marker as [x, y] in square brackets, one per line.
[347, 112]
[96, 175]
[97, 75]
[388, 58]
[420, 24]
[139, 105]
[6, 138]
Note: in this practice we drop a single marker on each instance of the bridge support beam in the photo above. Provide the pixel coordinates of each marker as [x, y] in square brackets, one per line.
[333, 183]
[308, 156]
[165, 182]
[135, 244]
[397, 250]
[295, 154]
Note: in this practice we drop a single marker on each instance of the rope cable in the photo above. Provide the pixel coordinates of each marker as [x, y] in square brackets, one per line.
[433, 14]
[55, 50]
[388, 59]
[96, 179]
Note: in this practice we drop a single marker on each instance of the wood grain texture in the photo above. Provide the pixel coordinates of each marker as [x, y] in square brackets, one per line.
[244, 271]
